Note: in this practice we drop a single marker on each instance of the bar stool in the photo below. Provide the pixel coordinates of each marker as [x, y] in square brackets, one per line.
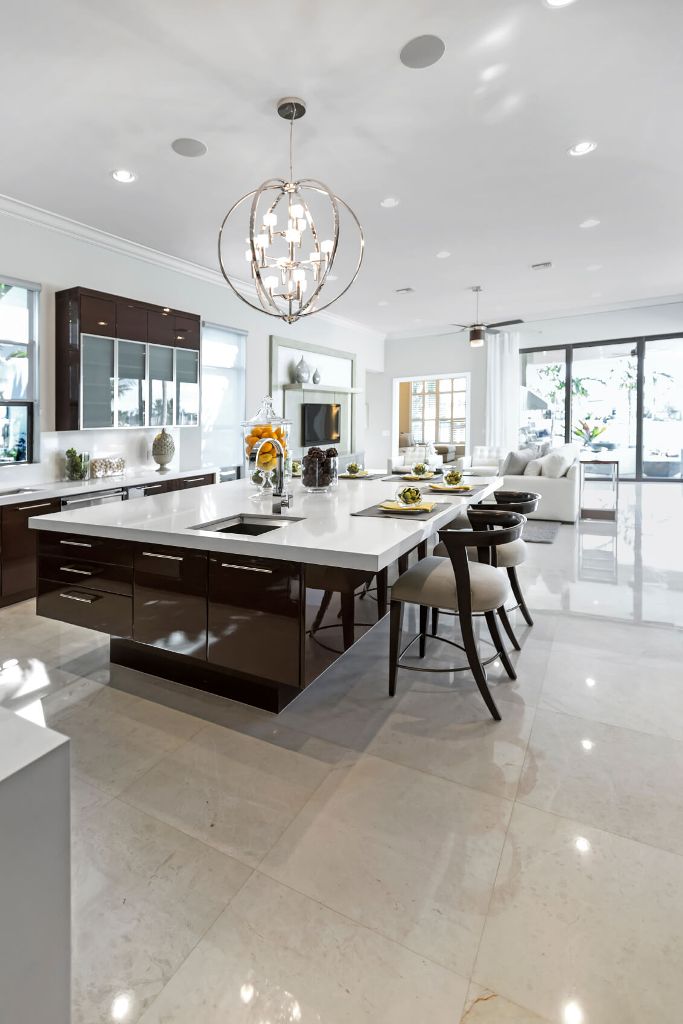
[507, 558]
[465, 587]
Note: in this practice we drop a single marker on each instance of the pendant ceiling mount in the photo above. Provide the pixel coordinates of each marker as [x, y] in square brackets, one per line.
[287, 218]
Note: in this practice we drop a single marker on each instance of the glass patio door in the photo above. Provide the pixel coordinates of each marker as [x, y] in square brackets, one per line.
[663, 409]
[604, 404]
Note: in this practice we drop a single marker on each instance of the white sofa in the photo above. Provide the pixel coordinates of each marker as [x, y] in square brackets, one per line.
[484, 461]
[407, 458]
[559, 494]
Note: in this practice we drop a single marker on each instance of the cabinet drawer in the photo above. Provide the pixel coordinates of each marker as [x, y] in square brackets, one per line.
[169, 598]
[91, 549]
[256, 617]
[186, 332]
[195, 481]
[131, 322]
[160, 328]
[114, 579]
[159, 487]
[107, 613]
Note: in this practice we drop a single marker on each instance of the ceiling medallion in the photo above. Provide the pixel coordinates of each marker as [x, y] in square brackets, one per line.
[289, 284]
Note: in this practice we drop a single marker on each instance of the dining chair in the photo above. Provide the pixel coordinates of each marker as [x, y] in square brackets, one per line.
[466, 587]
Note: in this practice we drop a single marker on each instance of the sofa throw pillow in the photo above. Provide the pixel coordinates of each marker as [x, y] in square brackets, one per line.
[516, 462]
[556, 463]
[405, 440]
[533, 468]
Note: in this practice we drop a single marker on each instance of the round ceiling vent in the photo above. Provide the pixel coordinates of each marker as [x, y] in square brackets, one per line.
[188, 147]
[423, 51]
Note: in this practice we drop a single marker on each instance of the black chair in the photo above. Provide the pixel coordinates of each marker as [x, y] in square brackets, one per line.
[466, 587]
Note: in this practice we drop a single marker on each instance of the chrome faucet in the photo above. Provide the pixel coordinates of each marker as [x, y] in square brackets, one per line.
[281, 497]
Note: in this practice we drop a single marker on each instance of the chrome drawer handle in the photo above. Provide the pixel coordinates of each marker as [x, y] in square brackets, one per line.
[25, 508]
[79, 572]
[170, 558]
[195, 480]
[76, 543]
[81, 600]
[152, 487]
[245, 568]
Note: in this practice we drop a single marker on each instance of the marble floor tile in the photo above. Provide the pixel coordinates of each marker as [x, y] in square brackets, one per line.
[115, 737]
[485, 1007]
[257, 963]
[143, 895]
[235, 792]
[620, 780]
[400, 851]
[586, 919]
[452, 735]
[616, 691]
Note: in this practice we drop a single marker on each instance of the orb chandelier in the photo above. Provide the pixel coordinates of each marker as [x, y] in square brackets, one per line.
[292, 250]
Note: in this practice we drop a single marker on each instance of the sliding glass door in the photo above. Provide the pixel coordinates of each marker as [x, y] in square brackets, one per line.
[663, 409]
[619, 400]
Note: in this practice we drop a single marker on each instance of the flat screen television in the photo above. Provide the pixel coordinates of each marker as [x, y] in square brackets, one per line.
[320, 423]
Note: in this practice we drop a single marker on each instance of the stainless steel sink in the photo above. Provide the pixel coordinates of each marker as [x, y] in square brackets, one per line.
[18, 490]
[248, 525]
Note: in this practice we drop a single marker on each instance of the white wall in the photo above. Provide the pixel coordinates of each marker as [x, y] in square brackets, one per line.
[608, 325]
[411, 357]
[58, 253]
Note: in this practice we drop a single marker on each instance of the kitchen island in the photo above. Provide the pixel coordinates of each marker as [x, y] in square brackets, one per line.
[208, 588]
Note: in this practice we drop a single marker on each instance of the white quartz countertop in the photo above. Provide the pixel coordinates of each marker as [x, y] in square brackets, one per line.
[328, 534]
[62, 488]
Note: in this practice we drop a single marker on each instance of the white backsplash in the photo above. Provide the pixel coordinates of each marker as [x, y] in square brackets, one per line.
[134, 445]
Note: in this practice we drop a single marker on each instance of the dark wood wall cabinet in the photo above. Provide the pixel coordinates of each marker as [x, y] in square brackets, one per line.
[81, 311]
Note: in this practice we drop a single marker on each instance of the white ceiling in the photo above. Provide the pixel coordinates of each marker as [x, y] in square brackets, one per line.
[480, 168]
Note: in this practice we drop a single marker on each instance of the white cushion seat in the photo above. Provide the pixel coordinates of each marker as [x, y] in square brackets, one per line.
[508, 555]
[431, 582]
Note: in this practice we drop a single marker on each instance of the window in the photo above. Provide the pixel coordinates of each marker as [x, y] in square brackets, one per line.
[18, 388]
[544, 384]
[223, 395]
[438, 410]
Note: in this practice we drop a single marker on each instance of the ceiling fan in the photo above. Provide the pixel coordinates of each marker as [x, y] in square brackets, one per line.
[478, 330]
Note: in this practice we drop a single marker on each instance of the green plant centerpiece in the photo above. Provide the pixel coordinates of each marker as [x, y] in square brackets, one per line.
[353, 469]
[588, 432]
[409, 495]
[420, 469]
[296, 467]
[77, 465]
[453, 477]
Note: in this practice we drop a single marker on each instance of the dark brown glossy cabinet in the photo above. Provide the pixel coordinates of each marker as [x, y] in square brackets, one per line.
[187, 482]
[82, 606]
[158, 487]
[169, 599]
[81, 311]
[131, 321]
[18, 547]
[255, 617]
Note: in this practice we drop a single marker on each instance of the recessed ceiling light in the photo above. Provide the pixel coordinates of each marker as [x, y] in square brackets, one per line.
[558, 3]
[123, 175]
[594, 266]
[582, 844]
[383, 303]
[389, 202]
[422, 52]
[188, 147]
[443, 255]
[590, 682]
[587, 744]
[572, 1014]
[492, 72]
[583, 148]
[591, 222]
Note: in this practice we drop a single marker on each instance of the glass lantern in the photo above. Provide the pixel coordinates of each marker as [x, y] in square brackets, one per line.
[265, 426]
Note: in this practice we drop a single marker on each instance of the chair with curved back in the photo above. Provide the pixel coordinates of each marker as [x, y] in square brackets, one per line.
[466, 586]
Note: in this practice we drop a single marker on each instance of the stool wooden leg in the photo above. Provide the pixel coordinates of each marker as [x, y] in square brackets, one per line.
[381, 594]
[395, 629]
[435, 621]
[476, 666]
[519, 596]
[348, 611]
[324, 605]
[421, 550]
[424, 612]
[507, 626]
[403, 563]
[492, 623]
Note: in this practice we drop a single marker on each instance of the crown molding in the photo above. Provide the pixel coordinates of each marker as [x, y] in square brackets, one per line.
[75, 229]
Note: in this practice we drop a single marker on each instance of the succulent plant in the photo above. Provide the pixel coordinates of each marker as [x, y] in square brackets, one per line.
[453, 477]
[410, 495]
[353, 468]
[420, 468]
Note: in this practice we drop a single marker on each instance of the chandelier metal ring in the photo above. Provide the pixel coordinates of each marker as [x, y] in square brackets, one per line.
[281, 281]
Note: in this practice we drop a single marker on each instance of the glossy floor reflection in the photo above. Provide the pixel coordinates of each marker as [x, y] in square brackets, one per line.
[368, 860]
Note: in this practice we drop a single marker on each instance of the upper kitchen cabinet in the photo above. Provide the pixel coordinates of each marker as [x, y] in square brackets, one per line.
[142, 388]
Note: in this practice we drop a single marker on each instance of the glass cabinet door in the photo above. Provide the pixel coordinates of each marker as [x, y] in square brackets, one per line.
[187, 387]
[97, 381]
[131, 383]
[161, 389]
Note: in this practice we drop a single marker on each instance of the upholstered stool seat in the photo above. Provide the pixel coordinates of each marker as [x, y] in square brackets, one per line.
[431, 583]
[508, 555]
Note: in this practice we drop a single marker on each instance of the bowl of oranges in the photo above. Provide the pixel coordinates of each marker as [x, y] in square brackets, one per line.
[267, 431]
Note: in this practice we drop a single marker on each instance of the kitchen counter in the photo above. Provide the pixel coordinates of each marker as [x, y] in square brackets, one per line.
[62, 488]
[328, 534]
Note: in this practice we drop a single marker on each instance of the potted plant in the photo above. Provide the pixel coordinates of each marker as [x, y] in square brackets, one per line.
[588, 432]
